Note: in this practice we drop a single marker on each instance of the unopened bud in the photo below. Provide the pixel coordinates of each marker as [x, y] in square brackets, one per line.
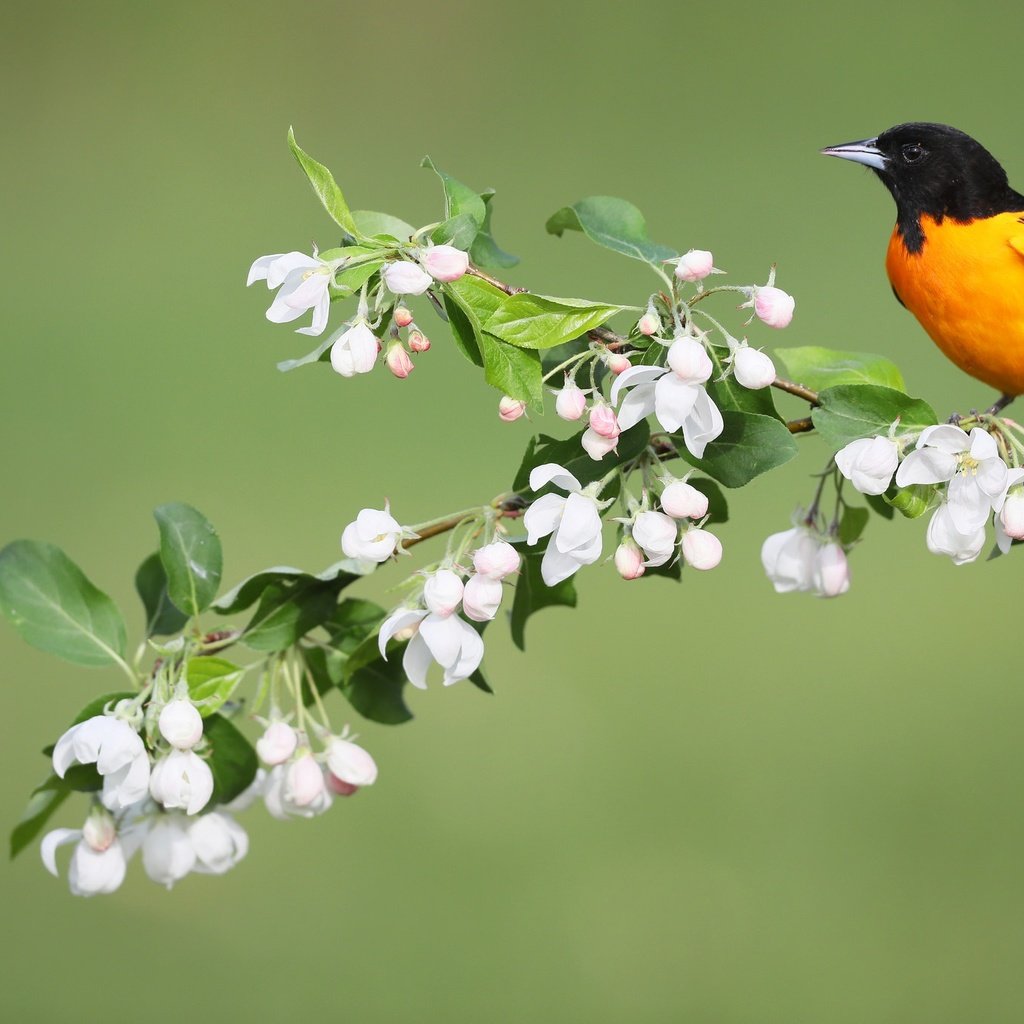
[701, 549]
[404, 278]
[596, 446]
[339, 786]
[304, 781]
[442, 592]
[403, 316]
[617, 362]
[277, 744]
[348, 762]
[683, 501]
[445, 262]
[398, 361]
[570, 402]
[648, 324]
[688, 359]
[831, 571]
[418, 341]
[752, 368]
[603, 421]
[99, 830]
[496, 560]
[773, 306]
[695, 265]
[1012, 514]
[510, 409]
[181, 724]
[629, 560]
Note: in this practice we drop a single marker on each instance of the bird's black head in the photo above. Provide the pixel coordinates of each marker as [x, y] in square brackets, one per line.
[936, 170]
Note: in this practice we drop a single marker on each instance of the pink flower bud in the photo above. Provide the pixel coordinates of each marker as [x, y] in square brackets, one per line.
[181, 724]
[752, 368]
[304, 781]
[510, 409]
[496, 560]
[99, 831]
[445, 262]
[277, 744]
[629, 560]
[688, 359]
[348, 762]
[398, 361]
[773, 306]
[404, 278]
[596, 446]
[481, 598]
[442, 592]
[342, 788]
[617, 362]
[603, 421]
[831, 571]
[701, 550]
[570, 402]
[695, 265]
[648, 324]
[418, 341]
[403, 316]
[1012, 514]
[683, 501]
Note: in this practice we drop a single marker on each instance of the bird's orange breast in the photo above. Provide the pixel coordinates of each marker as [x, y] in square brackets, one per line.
[966, 287]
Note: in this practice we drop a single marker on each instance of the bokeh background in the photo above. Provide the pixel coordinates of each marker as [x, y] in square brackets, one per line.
[699, 802]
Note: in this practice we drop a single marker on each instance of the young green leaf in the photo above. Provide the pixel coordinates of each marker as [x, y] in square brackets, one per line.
[612, 223]
[469, 301]
[162, 618]
[539, 321]
[325, 187]
[42, 805]
[191, 556]
[748, 446]
[371, 224]
[211, 681]
[820, 368]
[232, 759]
[533, 594]
[485, 251]
[287, 612]
[54, 607]
[851, 411]
[458, 198]
[251, 589]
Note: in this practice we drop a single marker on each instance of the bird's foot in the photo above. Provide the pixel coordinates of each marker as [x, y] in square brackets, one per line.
[999, 406]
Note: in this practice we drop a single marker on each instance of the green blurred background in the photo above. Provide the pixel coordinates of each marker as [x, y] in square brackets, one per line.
[699, 802]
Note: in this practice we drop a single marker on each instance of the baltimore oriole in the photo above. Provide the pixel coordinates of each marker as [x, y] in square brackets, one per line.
[956, 255]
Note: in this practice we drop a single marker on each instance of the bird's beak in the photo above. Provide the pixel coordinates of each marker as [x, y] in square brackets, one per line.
[864, 152]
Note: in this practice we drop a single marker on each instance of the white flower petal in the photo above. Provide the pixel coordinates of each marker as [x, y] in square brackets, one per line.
[703, 425]
[983, 445]
[638, 404]
[555, 566]
[261, 268]
[968, 507]
[399, 619]
[580, 523]
[48, 847]
[321, 312]
[673, 401]
[444, 638]
[416, 662]
[470, 656]
[991, 477]
[552, 473]
[287, 264]
[926, 466]
[542, 516]
[634, 375]
[944, 436]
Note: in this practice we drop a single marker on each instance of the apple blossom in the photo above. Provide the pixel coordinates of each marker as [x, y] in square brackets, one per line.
[93, 870]
[596, 445]
[603, 421]
[570, 401]
[350, 763]
[573, 522]
[656, 533]
[694, 265]
[1011, 508]
[303, 282]
[869, 463]
[181, 724]
[510, 409]
[629, 560]
[773, 306]
[277, 744]
[374, 536]
[752, 368]
[789, 559]
[701, 549]
[398, 361]
[831, 570]
[683, 501]
[354, 350]
[402, 278]
[418, 341]
[944, 538]
[976, 474]
[117, 751]
[181, 779]
[218, 842]
[445, 262]
[442, 592]
[450, 641]
[402, 316]
[496, 560]
[167, 854]
[649, 324]
[481, 597]
[296, 790]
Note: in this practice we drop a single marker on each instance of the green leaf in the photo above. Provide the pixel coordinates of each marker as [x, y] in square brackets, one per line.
[852, 411]
[539, 321]
[42, 804]
[458, 231]
[313, 356]
[911, 502]
[325, 187]
[251, 589]
[211, 681]
[191, 556]
[515, 372]
[162, 618]
[819, 368]
[232, 759]
[353, 621]
[458, 198]
[287, 612]
[533, 594]
[852, 524]
[375, 691]
[370, 224]
[464, 331]
[570, 455]
[727, 394]
[469, 301]
[613, 223]
[879, 505]
[350, 280]
[485, 251]
[54, 607]
[748, 446]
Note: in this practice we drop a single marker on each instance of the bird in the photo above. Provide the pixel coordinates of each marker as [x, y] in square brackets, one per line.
[956, 254]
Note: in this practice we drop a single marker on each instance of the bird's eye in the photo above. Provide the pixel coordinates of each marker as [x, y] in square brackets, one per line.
[912, 153]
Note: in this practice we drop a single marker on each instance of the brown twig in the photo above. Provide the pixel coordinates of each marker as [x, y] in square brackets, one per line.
[797, 390]
[508, 289]
[510, 508]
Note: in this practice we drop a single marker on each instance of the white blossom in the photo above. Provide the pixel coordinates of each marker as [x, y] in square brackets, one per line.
[694, 265]
[657, 534]
[442, 592]
[91, 872]
[789, 559]
[510, 409]
[496, 560]
[181, 779]
[296, 790]
[354, 349]
[683, 501]
[570, 401]
[181, 724]
[701, 549]
[773, 306]
[574, 524]
[117, 751]
[403, 278]
[373, 536]
[218, 842]
[752, 368]
[869, 463]
[277, 744]
[167, 853]
[596, 445]
[629, 560]
[303, 282]
[481, 597]
[450, 641]
[831, 570]
[944, 538]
